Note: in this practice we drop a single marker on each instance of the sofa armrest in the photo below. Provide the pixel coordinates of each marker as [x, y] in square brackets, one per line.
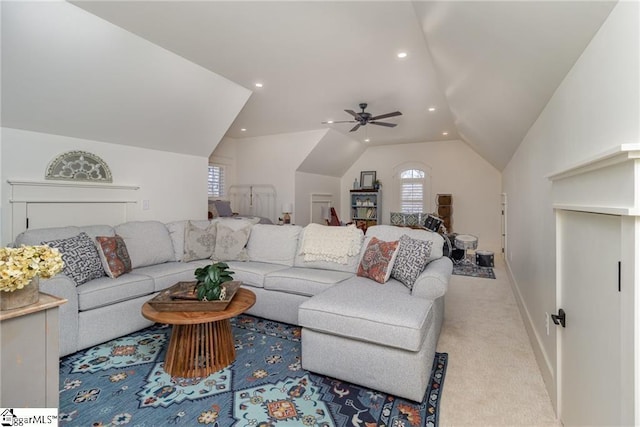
[433, 282]
[63, 287]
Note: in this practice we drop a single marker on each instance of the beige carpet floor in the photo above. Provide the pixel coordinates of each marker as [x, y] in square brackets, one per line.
[492, 378]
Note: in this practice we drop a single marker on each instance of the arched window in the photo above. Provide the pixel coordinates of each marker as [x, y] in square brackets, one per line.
[412, 191]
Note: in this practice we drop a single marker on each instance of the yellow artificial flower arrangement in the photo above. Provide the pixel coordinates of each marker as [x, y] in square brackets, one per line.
[19, 265]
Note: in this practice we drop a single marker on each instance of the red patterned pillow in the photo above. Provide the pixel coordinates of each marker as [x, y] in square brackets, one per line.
[114, 255]
[377, 261]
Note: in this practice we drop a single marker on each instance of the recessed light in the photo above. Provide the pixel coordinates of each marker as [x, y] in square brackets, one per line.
[402, 54]
[367, 140]
[243, 130]
[432, 109]
[445, 133]
[258, 84]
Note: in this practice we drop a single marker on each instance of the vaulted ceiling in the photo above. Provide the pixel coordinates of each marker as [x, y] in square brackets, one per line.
[487, 68]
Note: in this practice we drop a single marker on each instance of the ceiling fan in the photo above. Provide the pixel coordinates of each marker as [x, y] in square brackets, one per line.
[363, 118]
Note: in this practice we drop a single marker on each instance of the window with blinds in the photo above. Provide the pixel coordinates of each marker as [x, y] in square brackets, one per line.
[216, 181]
[412, 182]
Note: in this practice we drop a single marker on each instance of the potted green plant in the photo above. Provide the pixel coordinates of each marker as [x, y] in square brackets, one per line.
[210, 279]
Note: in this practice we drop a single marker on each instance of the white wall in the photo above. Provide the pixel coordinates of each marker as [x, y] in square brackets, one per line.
[595, 108]
[455, 169]
[174, 184]
[271, 159]
[68, 72]
[308, 184]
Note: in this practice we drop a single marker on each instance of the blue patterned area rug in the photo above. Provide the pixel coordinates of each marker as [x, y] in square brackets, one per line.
[471, 269]
[123, 382]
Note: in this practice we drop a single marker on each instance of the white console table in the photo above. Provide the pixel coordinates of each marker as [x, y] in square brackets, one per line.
[29, 354]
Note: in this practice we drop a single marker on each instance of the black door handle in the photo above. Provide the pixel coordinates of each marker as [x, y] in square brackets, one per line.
[560, 318]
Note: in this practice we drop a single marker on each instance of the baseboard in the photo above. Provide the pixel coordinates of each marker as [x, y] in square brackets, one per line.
[548, 375]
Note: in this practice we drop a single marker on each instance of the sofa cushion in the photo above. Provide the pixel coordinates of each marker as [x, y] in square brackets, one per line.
[81, 259]
[231, 239]
[37, 235]
[304, 281]
[198, 243]
[275, 244]
[253, 273]
[176, 232]
[114, 255]
[148, 242]
[377, 260]
[413, 257]
[384, 317]
[107, 291]
[169, 273]
[391, 285]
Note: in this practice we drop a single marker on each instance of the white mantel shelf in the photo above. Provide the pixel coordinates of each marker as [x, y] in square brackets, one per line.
[71, 184]
[608, 183]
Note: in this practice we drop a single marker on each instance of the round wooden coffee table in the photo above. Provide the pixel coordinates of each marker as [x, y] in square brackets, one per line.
[201, 341]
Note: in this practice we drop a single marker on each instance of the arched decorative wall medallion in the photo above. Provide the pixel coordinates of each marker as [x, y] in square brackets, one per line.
[78, 166]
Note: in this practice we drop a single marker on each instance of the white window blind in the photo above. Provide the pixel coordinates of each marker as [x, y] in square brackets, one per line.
[412, 191]
[216, 181]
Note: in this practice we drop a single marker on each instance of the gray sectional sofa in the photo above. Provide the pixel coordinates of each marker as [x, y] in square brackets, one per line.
[379, 335]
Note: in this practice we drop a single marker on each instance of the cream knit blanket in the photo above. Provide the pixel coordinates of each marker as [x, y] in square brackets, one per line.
[332, 244]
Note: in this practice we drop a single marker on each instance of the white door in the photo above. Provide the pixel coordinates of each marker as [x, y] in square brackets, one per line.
[589, 347]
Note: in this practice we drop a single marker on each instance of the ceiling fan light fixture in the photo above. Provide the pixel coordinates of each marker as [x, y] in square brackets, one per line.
[367, 140]
[259, 85]
[243, 130]
[363, 118]
[445, 133]
[432, 109]
[402, 55]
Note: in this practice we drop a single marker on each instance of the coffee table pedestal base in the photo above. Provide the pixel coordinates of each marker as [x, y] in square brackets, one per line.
[200, 350]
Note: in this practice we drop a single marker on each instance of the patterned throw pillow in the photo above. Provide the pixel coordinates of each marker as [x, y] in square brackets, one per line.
[81, 260]
[198, 243]
[413, 257]
[378, 259]
[114, 255]
[230, 243]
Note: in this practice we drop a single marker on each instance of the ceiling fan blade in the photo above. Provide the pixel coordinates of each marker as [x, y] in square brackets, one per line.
[355, 128]
[384, 116]
[389, 125]
[353, 113]
[340, 121]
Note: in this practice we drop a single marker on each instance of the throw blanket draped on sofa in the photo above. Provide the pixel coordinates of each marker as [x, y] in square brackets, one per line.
[331, 244]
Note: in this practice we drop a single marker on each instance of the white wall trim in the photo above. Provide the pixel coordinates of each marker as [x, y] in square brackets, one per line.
[24, 195]
[19, 183]
[607, 158]
[587, 186]
[541, 356]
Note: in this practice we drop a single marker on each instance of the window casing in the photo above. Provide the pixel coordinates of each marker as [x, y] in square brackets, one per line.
[215, 181]
[412, 186]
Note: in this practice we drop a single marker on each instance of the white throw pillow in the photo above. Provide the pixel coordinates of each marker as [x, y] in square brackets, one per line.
[198, 243]
[230, 243]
